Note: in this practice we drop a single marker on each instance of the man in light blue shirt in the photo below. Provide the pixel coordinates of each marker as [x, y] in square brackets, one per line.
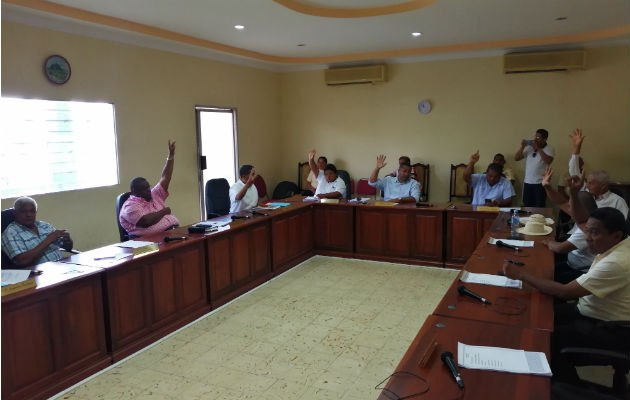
[491, 188]
[399, 189]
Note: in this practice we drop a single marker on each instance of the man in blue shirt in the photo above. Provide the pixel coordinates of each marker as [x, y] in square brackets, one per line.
[491, 188]
[399, 189]
[27, 241]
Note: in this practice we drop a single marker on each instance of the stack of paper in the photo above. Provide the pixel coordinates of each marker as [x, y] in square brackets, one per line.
[134, 244]
[311, 198]
[11, 276]
[359, 200]
[502, 359]
[517, 243]
[508, 209]
[492, 280]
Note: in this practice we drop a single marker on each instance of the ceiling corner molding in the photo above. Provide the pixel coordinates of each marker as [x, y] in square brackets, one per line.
[330, 12]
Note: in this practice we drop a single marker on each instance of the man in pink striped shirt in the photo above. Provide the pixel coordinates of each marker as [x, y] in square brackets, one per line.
[145, 211]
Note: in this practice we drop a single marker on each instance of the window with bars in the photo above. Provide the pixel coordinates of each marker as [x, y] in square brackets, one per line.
[55, 146]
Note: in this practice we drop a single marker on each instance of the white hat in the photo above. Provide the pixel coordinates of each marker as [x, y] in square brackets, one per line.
[535, 228]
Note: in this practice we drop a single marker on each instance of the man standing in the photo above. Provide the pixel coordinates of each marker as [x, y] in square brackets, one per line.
[243, 193]
[491, 188]
[538, 156]
[27, 241]
[145, 211]
[399, 189]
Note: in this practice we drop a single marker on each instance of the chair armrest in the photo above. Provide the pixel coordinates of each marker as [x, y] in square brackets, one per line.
[592, 356]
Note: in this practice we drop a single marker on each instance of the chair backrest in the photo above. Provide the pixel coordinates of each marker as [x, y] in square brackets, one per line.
[261, 186]
[217, 197]
[285, 189]
[421, 174]
[120, 200]
[8, 216]
[343, 174]
[459, 187]
[363, 188]
[303, 170]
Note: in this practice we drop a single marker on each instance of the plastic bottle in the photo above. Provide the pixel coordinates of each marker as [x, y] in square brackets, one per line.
[514, 224]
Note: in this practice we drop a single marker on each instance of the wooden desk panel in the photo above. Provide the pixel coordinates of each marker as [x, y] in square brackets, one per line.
[53, 335]
[464, 229]
[478, 384]
[292, 238]
[334, 228]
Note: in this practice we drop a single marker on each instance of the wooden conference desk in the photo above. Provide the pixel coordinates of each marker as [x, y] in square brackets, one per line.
[134, 301]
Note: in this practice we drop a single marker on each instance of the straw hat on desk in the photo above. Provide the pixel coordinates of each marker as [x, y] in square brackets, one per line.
[538, 218]
[535, 228]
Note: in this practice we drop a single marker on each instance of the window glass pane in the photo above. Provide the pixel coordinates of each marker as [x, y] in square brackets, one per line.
[54, 146]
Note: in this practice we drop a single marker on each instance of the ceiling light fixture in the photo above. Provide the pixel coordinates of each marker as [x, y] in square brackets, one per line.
[416, 34]
[239, 27]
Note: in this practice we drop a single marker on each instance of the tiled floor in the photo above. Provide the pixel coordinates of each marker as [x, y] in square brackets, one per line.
[329, 329]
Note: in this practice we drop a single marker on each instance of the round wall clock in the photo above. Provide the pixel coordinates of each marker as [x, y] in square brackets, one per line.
[424, 107]
[57, 69]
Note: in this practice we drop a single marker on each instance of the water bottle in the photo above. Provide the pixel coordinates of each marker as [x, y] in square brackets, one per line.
[514, 224]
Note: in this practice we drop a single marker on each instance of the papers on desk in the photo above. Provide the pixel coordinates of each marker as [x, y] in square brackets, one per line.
[278, 204]
[517, 243]
[219, 229]
[492, 280]
[502, 359]
[311, 198]
[11, 276]
[133, 244]
[265, 208]
[509, 209]
[361, 200]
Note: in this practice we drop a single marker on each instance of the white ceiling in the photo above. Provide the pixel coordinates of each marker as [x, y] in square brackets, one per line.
[274, 30]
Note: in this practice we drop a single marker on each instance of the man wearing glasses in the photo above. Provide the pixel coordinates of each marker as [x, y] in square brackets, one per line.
[538, 156]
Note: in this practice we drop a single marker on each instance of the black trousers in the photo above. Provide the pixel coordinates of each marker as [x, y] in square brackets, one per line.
[534, 195]
[572, 329]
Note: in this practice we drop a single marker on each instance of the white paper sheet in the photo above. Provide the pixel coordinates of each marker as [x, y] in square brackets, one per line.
[11, 276]
[502, 359]
[311, 198]
[518, 243]
[508, 209]
[492, 280]
[134, 244]
[219, 229]
[359, 200]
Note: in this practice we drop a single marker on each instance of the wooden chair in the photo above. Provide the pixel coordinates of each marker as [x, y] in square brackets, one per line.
[303, 171]
[459, 187]
[420, 172]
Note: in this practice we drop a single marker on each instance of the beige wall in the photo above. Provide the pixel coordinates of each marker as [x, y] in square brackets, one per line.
[475, 106]
[154, 94]
[282, 116]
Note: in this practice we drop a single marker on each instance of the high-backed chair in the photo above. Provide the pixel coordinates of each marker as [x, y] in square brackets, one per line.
[304, 170]
[8, 216]
[459, 187]
[364, 189]
[285, 189]
[120, 200]
[261, 187]
[421, 174]
[343, 174]
[217, 198]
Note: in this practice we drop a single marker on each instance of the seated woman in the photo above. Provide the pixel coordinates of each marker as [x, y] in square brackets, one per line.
[491, 188]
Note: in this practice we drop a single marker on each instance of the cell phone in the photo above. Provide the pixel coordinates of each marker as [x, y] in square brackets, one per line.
[528, 142]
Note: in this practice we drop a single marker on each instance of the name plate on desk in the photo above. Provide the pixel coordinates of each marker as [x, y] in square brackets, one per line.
[144, 250]
[487, 208]
[329, 201]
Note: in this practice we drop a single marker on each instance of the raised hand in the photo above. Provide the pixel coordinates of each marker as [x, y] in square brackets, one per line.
[171, 148]
[252, 176]
[575, 183]
[546, 177]
[475, 157]
[311, 154]
[577, 138]
[380, 161]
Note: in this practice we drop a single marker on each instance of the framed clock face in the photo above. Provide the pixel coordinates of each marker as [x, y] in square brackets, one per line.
[424, 107]
[57, 69]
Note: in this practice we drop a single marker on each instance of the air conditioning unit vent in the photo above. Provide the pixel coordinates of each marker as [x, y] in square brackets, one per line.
[353, 75]
[544, 61]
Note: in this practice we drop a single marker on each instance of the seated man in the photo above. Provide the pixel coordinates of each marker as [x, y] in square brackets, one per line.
[145, 211]
[603, 292]
[243, 193]
[597, 185]
[403, 160]
[321, 166]
[329, 184]
[27, 241]
[491, 188]
[578, 257]
[400, 189]
[507, 171]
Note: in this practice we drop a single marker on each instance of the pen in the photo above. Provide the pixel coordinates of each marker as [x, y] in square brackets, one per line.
[515, 262]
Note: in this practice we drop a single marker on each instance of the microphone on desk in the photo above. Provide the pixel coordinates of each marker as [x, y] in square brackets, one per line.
[465, 292]
[501, 243]
[256, 212]
[447, 359]
[173, 239]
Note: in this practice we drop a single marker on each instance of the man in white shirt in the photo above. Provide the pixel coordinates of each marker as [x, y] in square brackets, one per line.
[597, 185]
[603, 292]
[243, 193]
[321, 166]
[329, 184]
[538, 156]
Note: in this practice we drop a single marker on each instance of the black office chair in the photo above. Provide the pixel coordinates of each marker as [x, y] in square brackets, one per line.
[343, 174]
[566, 391]
[285, 189]
[217, 198]
[619, 359]
[8, 216]
[120, 200]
